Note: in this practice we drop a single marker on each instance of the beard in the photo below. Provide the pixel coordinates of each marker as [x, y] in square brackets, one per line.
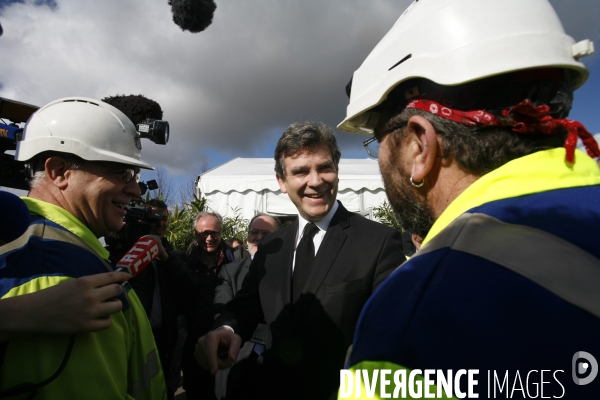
[410, 208]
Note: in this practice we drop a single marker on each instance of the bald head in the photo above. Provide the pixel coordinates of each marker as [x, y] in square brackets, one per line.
[260, 226]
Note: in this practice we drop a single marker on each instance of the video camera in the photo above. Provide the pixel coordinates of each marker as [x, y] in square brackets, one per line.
[138, 222]
[153, 129]
[12, 171]
[139, 218]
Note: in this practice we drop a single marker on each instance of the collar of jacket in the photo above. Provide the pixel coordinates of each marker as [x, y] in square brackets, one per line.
[67, 220]
[535, 173]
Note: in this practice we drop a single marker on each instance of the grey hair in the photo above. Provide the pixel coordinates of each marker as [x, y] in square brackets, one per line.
[38, 170]
[277, 220]
[305, 136]
[36, 178]
[214, 214]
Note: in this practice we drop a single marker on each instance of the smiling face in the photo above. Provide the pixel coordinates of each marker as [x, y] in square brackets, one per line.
[97, 196]
[208, 233]
[311, 182]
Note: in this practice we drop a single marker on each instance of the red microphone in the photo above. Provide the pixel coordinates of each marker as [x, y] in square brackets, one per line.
[139, 256]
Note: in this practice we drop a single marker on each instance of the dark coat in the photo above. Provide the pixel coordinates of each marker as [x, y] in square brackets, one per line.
[197, 283]
[307, 342]
[230, 282]
[144, 285]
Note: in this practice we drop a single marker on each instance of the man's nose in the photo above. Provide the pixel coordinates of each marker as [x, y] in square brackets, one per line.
[314, 179]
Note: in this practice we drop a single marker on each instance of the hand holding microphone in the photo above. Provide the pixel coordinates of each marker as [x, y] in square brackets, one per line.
[78, 305]
[144, 251]
[85, 304]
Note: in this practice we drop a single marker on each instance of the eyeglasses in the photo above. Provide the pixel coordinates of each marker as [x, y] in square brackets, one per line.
[254, 232]
[127, 174]
[206, 234]
[372, 144]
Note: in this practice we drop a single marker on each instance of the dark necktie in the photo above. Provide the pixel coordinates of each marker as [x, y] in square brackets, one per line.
[305, 255]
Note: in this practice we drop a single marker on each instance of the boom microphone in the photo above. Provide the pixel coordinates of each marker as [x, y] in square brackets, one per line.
[139, 256]
[193, 15]
[136, 107]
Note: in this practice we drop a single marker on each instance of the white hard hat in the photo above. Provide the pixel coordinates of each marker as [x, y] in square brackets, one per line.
[87, 128]
[453, 42]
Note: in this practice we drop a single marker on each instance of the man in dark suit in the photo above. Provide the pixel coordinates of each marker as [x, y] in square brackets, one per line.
[310, 302]
[230, 282]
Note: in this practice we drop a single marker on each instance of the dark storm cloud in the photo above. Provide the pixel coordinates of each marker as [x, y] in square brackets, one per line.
[260, 66]
[230, 90]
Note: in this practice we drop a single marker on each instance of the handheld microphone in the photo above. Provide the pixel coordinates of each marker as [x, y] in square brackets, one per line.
[139, 256]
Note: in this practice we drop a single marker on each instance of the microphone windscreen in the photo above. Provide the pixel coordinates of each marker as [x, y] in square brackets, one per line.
[136, 107]
[14, 217]
[193, 15]
[139, 256]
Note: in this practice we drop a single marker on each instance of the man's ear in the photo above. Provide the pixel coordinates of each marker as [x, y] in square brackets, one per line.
[57, 171]
[281, 183]
[423, 147]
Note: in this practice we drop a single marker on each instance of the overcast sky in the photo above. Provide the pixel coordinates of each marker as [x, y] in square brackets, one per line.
[231, 90]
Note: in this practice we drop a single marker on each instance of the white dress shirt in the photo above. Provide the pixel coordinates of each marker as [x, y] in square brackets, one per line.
[322, 224]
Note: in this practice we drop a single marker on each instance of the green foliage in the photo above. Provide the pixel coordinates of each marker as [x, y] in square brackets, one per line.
[385, 215]
[198, 205]
[181, 223]
[235, 226]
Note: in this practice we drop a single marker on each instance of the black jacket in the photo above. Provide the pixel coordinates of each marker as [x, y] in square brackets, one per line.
[307, 343]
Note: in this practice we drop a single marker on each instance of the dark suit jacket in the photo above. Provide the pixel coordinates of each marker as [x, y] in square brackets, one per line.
[230, 281]
[307, 342]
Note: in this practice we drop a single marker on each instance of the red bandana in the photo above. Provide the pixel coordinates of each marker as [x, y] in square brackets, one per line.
[526, 118]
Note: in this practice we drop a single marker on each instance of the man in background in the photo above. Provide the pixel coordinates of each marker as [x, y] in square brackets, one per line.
[230, 282]
[157, 290]
[237, 248]
[204, 262]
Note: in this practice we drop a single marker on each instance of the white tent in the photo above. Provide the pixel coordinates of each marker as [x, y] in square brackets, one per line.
[248, 185]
